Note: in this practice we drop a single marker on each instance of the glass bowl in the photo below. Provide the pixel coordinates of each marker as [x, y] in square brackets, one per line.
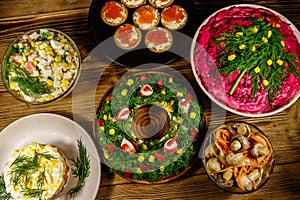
[41, 66]
[238, 157]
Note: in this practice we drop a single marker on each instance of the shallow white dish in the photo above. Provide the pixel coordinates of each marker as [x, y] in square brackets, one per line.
[211, 96]
[58, 131]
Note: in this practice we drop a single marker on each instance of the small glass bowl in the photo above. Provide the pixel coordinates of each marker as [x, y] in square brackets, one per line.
[41, 66]
[238, 157]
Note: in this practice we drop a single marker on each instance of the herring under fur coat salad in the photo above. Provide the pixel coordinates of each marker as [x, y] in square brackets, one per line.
[248, 58]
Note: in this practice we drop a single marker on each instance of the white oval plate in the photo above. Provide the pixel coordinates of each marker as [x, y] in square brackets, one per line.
[211, 96]
[58, 131]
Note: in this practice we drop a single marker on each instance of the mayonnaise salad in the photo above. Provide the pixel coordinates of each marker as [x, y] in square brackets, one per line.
[41, 66]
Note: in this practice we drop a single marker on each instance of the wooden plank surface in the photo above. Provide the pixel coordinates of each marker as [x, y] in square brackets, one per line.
[71, 17]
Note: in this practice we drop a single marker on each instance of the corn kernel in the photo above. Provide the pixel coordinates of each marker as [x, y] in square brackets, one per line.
[253, 48]
[279, 62]
[22, 63]
[32, 43]
[255, 29]
[130, 82]
[138, 170]
[264, 39]
[282, 43]
[170, 80]
[192, 115]
[242, 46]
[49, 97]
[27, 53]
[57, 58]
[163, 92]
[102, 128]
[269, 62]
[50, 37]
[49, 52]
[179, 94]
[63, 40]
[269, 33]
[112, 131]
[239, 33]
[277, 25]
[56, 64]
[151, 158]
[64, 83]
[265, 82]
[124, 92]
[257, 70]
[41, 100]
[171, 109]
[231, 57]
[12, 85]
[34, 62]
[141, 158]
[104, 117]
[144, 146]
[31, 50]
[106, 156]
[179, 151]
[162, 168]
[50, 82]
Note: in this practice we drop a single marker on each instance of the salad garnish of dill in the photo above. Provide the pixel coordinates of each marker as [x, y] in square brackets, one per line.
[258, 51]
[3, 194]
[82, 168]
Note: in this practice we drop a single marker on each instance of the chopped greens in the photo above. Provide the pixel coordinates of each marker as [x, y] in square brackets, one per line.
[3, 194]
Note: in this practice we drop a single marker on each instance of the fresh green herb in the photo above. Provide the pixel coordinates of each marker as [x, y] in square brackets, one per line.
[33, 193]
[82, 168]
[4, 195]
[258, 51]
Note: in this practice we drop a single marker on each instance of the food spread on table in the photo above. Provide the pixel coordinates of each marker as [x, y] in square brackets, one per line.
[148, 127]
[248, 58]
[40, 66]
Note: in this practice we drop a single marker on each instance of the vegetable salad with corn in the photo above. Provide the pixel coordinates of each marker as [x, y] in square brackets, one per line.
[41, 65]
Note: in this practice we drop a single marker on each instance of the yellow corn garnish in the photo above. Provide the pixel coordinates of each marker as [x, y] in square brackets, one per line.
[242, 46]
[27, 53]
[170, 80]
[269, 33]
[265, 82]
[49, 82]
[34, 62]
[192, 115]
[172, 102]
[179, 94]
[231, 57]
[171, 109]
[282, 43]
[239, 34]
[151, 158]
[144, 146]
[269, 62]
[162, 168]
[141, 158]
[279, 62]
[65, 83]
[179, 151]
[264, 39]
[124, 92]
[104, 117]
[50, 37]
[102, 128]
[41, 100]
[22, 63]
[57, 58]
[163, 92]
[138, 170]
[49, 52]
[255, 29]
[257, 70]
[63, 40]
[32, 43]
[31, 50]
[56, 64]
[106, 156]
[112, 131]
[130, 82]
[12, 85]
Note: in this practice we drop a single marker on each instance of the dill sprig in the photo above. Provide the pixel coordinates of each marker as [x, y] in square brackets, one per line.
[82, 168]
[258, 51]
[4, 195]
[32, 193]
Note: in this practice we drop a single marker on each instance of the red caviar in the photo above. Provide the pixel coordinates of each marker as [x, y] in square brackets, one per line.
[146, 15]
[112, 10]
[173, 14]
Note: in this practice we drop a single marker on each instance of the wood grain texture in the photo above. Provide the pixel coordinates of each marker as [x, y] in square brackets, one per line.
[71, 17]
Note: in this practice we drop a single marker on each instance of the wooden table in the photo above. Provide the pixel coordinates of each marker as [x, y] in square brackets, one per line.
[71, 17]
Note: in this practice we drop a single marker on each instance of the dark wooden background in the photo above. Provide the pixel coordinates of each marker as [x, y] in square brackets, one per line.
[71, 17]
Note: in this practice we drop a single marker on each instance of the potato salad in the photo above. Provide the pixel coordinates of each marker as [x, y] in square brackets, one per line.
[41, 66]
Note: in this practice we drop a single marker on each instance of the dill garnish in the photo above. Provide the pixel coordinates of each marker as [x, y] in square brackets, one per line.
[4, 195]
[258, 51]
[82, 168]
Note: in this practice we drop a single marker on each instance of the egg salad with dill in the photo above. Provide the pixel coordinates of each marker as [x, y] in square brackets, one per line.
[41, 66]
[36, 172]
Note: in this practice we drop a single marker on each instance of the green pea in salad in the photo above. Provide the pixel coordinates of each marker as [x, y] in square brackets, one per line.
[41, 66]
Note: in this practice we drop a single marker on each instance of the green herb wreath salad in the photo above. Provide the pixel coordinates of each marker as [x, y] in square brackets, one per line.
[149, 146]
[40, 66]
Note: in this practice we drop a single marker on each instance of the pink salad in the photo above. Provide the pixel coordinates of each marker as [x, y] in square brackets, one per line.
[249, 59]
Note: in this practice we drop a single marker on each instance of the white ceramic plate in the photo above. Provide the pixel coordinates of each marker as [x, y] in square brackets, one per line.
[58, 131]
[212, 97]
